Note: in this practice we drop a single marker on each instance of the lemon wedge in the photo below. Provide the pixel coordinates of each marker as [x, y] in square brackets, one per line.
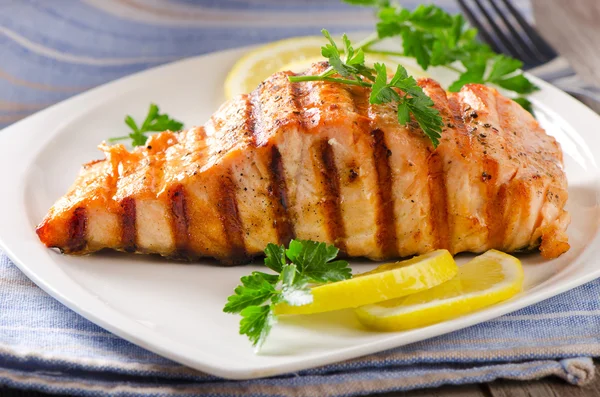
[384, 282]
[258, 64]
[484, 281]
[296, 54]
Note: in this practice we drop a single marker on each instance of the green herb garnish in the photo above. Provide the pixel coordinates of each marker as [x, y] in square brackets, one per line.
[311, 263]
[525, 104]
[154, 122]
[434, 37]
[401, 90]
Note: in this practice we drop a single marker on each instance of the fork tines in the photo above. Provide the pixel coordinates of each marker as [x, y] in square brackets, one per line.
[503, 27]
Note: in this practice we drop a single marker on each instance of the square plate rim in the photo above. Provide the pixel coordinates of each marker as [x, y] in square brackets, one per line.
[7, 135]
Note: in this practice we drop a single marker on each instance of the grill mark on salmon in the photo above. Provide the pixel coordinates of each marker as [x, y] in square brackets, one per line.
[495, 199]
[298, 97]
[128, 228]
[438, 200]
[279, 200]
[386, 219]
[77, 229]
[497, 234]
[330, 181]
[230, 220]
[180, 220]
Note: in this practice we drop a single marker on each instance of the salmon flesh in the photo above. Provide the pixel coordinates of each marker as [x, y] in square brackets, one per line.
[316, 160]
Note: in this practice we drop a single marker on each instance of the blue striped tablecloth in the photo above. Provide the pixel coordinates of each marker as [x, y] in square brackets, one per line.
[51, 50]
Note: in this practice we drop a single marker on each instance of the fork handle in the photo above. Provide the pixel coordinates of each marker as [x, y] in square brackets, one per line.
[559, 73]
[555, 69]
[575, 85]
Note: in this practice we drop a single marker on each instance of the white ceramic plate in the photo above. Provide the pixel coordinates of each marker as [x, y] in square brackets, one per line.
[174, 309]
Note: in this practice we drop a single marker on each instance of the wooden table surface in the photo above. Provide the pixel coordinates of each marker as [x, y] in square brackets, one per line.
[573, 29]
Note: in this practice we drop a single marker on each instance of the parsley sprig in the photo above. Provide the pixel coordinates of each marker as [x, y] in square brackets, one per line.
[402, 89]
[436, 38]
[155, 121]
[414, 101]
[311, 263]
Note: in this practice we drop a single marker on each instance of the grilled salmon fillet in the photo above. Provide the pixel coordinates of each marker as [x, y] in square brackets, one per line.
[315, 160]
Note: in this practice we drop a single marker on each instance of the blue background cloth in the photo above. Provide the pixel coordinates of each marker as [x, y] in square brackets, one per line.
[51, 50]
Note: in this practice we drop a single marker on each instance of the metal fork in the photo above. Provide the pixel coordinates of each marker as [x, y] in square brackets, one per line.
[504, 29]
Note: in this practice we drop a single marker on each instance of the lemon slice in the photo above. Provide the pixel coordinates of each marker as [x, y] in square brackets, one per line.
[384, 282]
[300, 65]
[296, 54]
[485, 280]
[254, 67]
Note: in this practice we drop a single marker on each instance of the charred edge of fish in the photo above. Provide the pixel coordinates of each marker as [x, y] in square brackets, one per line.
[332, 205]
[92, 163]
[231, 221]
[128, 231]
[385, 217]
[297, 94]
[438, 201]
[497, 210]
[180, 221]
[279, 199]
[77, 230]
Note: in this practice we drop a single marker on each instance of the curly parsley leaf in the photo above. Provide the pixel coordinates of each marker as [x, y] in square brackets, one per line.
[502, 66]
[154, 122]
[434, 37]
[275, 257]
[256, 323]
[254, 291]
[332, 53]
[382, 92]
[352, 58]
[402, 90]
[353, 64]
[294, 291]
[414, 101]
[505, 73]
[255, 299]
[429, 16]
[517, 83]
[257, 279]
[314, 261]
[525, 104]
[500, 70]
[131, 123]
[473, 75]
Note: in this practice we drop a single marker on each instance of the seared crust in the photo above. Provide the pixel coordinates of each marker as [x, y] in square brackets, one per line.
[316, 161]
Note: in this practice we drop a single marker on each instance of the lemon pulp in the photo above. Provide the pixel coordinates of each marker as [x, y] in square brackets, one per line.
[484, 281]
[384, 282]
[258, 64]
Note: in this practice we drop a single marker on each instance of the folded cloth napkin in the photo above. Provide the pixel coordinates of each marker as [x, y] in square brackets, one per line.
[45, 346]
[50, 52]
